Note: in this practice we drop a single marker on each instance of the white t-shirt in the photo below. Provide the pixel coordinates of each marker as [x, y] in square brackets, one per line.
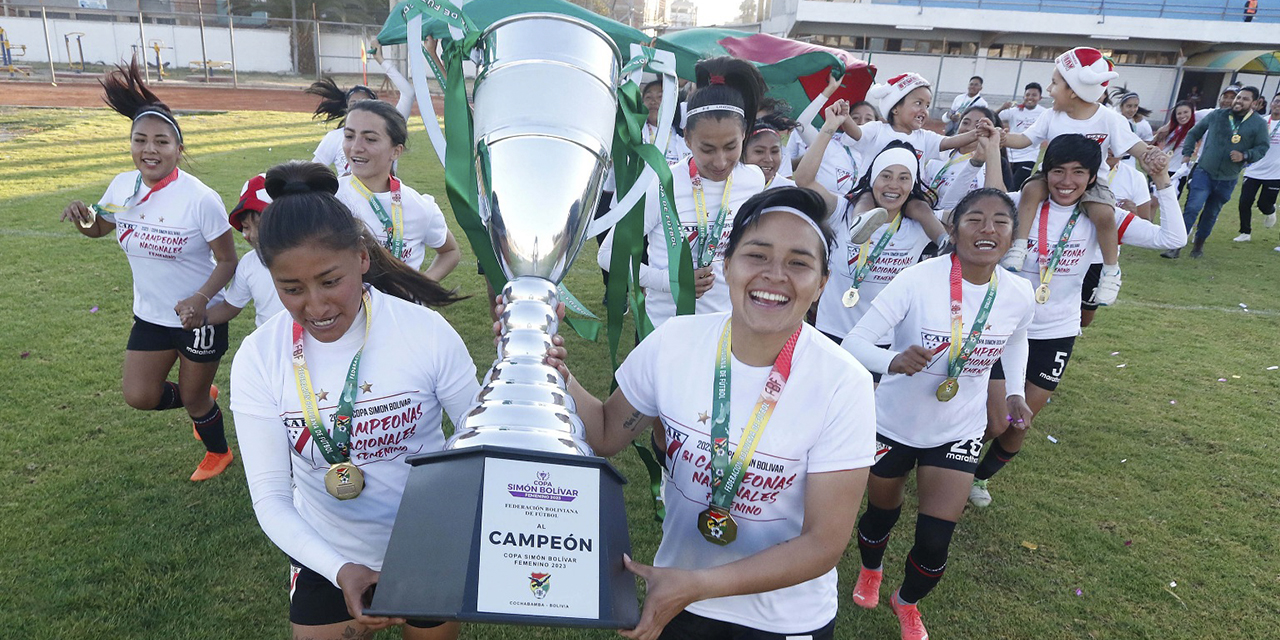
[414, 366]
[952, 177]
[1060, 316]
[424, 224]
[1127, 183]
[1106, 127]
[916, 309]
[902, 251]
[1143, 131]
[962, 102]
[329, 153]
[253, 282]
[840, 163]
[166, 238]
[823, 422]
[877, 135]
[676, 149]
[748, 180]
[780, 180]
[1019, 120]
[1268, 168]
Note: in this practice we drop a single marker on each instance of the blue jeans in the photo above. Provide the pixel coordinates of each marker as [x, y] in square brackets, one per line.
[1205, 197]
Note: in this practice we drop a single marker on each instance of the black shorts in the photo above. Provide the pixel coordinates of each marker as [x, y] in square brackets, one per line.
[691, 626]
[314, 601]
[205, 344]
[1090, 285]
[1046, 361]
[894, 459]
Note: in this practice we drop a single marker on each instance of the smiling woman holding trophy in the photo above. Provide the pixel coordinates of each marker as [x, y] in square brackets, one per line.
[755, 412]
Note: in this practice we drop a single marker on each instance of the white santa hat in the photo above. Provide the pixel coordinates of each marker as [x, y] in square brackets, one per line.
[1086, 71]
[900, 156]
[886, 96]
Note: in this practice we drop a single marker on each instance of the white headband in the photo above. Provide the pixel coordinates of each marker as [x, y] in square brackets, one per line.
[822, 239]
[896, 155]
[162, 116]
[714, 107]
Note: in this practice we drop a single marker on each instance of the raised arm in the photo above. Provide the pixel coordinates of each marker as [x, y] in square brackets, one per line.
[806, 173]
[806, 129]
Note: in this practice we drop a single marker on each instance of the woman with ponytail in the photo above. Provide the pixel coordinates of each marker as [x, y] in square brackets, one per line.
[403, 220]
[335, 102]
[331, 397]
[709, 186]
[174, 231]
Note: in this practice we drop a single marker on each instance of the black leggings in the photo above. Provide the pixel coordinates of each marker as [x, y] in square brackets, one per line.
[1266, 201]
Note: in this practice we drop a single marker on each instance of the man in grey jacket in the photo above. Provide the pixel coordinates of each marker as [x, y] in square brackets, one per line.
[1233, 138]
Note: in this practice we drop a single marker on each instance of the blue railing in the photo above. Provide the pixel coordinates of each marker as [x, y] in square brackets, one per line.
[1218, 10]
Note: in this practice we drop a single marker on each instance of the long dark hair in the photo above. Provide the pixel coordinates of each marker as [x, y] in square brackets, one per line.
[1178, 132]
[798, 198]
[304, 210]
[334, 101]
[919, 190]
[125, 91]
[729, 81]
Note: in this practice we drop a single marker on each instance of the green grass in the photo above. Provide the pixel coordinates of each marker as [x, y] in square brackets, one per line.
[108, 538]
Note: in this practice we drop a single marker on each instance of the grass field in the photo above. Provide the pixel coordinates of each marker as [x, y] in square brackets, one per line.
[1164, 471]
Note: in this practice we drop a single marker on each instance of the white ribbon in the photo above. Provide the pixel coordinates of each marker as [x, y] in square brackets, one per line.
[422, 91]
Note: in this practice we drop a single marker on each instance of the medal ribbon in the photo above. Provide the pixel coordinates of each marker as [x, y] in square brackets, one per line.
[1275, 127]
[338, 448]
[704, 245]
[137, 187]
[394, 224]
[1049, 264]
[958, 355]
[726, 474]
[865, 261]
[1235, 126]
[937, 179]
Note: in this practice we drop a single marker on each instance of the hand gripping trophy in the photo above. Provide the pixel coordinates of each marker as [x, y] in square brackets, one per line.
[517, 521]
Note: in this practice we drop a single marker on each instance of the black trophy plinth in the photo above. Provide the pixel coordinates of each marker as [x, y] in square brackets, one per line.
[510, 536]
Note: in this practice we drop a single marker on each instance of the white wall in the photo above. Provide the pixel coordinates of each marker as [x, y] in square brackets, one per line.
[110, 42]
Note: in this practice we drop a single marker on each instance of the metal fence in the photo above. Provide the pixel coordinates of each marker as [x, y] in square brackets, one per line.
[207, 44]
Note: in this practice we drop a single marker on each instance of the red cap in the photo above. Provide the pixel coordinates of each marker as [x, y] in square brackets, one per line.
[253, 197]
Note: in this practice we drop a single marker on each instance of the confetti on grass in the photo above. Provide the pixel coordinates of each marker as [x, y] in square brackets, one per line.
[1030, 545]
[1222, 379]
[1115, 353]
[1272, 368]
[1053, 439]
[1079, 592]
[24, 355]
[1128, 543]
[1121, 365]
[94, 309]
[1173, 402]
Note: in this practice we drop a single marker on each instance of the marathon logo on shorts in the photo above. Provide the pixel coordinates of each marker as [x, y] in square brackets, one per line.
[965, 451]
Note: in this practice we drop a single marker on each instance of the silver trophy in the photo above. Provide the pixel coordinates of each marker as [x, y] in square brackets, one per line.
[517, 521]
[545, 107]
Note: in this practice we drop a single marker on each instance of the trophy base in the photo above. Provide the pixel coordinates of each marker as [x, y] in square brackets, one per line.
[509, 536]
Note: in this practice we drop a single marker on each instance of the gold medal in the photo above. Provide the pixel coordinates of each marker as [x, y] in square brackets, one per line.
[93, 216]
[1235, 139]
[948, 389]
[717, 526]
[850, 297]
[344, 480]
[1042, 293]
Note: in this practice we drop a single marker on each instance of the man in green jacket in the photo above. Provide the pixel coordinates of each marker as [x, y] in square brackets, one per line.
[1233, 138]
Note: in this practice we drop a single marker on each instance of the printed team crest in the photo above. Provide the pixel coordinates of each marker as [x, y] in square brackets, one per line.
[539, 584]
[715, 523]
[344, 475]
[881, 449]
[1099, 138]
[544, 476]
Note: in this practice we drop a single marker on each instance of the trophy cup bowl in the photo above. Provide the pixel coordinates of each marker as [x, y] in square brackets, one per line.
[516, 521]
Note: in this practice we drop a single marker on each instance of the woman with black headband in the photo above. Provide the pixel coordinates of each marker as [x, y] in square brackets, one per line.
[335, 102]
[767, 427]
[182, 252]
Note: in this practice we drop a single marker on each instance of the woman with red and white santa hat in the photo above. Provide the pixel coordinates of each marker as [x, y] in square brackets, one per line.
[174, 231]
[904, 102]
